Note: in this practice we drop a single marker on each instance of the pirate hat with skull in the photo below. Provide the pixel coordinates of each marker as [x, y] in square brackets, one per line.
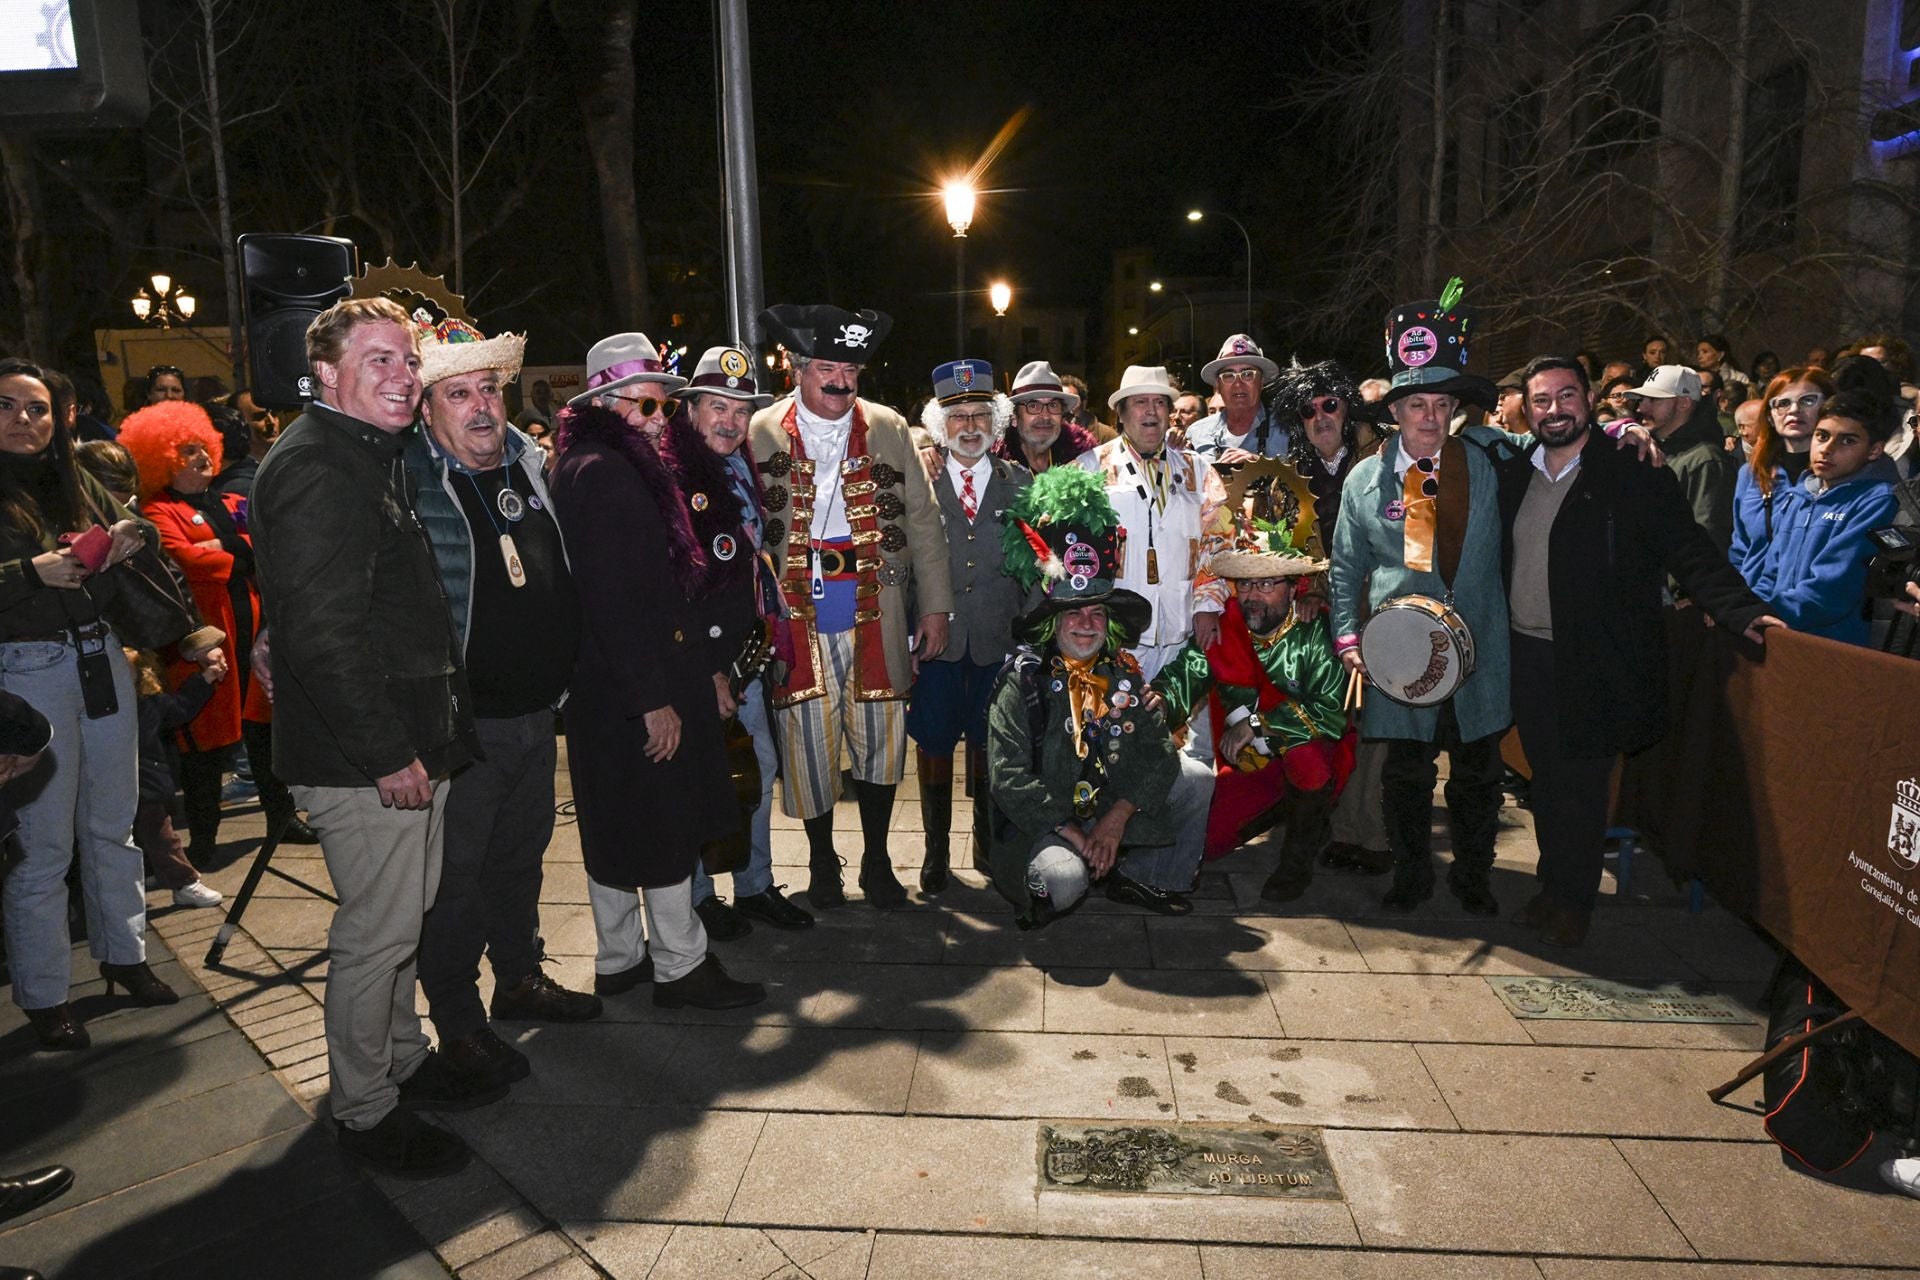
[824, 332]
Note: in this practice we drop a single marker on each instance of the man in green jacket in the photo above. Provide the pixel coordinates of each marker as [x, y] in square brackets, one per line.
[1671, 405]
[1274, 694]
[1085, 782]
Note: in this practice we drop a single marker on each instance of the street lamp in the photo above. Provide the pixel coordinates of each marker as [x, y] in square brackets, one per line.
[165, 304]
[1194, 215]
[959, 196]
[1000, 293]
[1193, 355]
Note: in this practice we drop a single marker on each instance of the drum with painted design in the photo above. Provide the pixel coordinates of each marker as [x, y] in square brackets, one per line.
[1418, 650]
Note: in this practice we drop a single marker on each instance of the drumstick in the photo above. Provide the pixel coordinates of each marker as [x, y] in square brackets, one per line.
[1355, 687]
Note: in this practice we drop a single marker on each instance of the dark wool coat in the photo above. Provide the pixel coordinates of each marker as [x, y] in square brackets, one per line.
[643, 646]
[1622, 528]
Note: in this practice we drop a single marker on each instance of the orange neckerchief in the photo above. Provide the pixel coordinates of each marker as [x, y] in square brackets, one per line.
[1086, 695]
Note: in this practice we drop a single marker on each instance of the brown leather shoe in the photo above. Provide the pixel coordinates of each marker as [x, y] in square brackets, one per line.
[538, 998]
[1565, 927]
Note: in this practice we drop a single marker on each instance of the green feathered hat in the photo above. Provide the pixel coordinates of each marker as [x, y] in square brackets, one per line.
[1062, 536]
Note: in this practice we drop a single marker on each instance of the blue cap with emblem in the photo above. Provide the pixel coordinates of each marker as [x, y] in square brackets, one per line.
[959, 380]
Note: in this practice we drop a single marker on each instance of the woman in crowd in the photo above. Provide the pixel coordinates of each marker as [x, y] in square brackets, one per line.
[178, 454]
[58, 652]
[165, 382]
[1779, 459]
[1764, 367]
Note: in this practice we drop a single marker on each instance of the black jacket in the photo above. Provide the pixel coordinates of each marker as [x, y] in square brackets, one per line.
[160, 714]
[1623, 527]
[365, 662]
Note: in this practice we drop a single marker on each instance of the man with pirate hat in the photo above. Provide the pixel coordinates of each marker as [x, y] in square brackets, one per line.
[846, 494]
[1422, 517]
[1085, 781]
[1273, 691]
[974, 489]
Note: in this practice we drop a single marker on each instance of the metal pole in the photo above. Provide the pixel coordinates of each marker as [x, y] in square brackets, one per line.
[1249, 239]
[960, 297]
[740, 181]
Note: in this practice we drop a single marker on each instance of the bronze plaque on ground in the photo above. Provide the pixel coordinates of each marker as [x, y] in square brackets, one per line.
[1603, 1000]
[1289, 1161]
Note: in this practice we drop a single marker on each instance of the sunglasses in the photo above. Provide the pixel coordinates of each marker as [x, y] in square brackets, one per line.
[1236, 375]
[1780, 404]
[650, 406]
[160, 370]
[1430, 486]
[1328, 405]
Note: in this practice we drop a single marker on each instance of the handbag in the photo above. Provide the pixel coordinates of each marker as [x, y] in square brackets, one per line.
[148, 604]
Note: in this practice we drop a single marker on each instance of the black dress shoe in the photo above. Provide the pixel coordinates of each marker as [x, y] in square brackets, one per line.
[707, 987]
[723, 923]
[140, 983]
[437, 1085]
[1352, 859]
[538, 998]
[772, 906]
[1406, 896]
[59, 1028]
[403, 1145]
[486, 1056]
[1535, 913]
[613, 984]
[298, 832]
[883, 889]
[1475, 895]
[1160, 901]
[28, 1191]
[20, 1273]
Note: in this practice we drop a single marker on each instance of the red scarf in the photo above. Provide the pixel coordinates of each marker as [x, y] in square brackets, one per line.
[1235, 662]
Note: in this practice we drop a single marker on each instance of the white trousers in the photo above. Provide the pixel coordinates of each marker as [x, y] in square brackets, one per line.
[674, 934]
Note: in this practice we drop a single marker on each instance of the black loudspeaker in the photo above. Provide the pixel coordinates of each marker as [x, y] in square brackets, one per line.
[287, 281]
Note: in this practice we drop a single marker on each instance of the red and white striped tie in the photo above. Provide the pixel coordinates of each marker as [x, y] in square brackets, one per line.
[969, 502]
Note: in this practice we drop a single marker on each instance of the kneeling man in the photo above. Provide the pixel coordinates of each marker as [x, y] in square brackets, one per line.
[1273, 691]
[1085, 782]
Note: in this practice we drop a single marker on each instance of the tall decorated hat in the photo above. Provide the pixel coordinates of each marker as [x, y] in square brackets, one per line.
[1427, 350]
[1062, 534]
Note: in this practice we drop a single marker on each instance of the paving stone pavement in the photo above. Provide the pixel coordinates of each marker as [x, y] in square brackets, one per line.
[878, 1115]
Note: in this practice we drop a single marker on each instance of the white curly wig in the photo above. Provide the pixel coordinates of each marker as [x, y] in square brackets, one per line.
[934, 418]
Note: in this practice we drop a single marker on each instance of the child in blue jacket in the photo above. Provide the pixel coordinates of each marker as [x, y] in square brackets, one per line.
[1814, 572]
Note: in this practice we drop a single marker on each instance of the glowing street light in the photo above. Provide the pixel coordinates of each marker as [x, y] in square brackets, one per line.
[1000, 293]
[959, 196]
[165, 304]
[1194, 215]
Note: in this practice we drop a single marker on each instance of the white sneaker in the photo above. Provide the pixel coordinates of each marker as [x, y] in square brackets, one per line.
[197, 894]
[1902, 1174]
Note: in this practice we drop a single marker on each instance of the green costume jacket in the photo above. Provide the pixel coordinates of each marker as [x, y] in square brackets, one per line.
[1298, 659]
[1134, 750]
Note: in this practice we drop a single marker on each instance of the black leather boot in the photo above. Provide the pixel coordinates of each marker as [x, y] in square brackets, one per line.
[1307, 828]
[883, 889]
[823, 864]
[1409, 820]
[977, 791]
[936, 814]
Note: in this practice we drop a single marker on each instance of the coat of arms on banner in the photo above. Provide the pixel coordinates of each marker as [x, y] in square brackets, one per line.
[1903, 832]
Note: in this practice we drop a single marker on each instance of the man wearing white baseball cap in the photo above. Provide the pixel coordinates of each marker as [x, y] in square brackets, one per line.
[1670, 404]
[1244, 428]
[1170, 503]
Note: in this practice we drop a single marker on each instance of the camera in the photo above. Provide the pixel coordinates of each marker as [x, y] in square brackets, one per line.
[1895, 563]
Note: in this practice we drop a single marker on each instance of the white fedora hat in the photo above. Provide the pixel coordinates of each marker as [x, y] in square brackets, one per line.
[1239, 349]
[1037, 381]
[621, 361]
[1143, 380]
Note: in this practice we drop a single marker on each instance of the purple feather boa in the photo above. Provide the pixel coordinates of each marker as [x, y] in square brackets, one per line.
[591, 423]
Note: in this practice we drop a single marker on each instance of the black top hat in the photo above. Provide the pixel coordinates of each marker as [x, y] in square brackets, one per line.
[1062, 534]
[1427, 350]
[824, 332]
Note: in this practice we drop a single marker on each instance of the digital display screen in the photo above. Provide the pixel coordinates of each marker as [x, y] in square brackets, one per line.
[37, 35]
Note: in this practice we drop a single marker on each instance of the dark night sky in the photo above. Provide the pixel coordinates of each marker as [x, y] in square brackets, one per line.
[1138, 112]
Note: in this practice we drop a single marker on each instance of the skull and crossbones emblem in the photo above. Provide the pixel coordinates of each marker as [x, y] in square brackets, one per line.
[854, 335]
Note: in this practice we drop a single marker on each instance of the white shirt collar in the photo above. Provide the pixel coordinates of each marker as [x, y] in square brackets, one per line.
[1402, 460]
[981, 470]
[1540, 465]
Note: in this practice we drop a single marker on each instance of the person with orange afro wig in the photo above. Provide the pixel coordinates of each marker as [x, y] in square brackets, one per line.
[178, 453]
